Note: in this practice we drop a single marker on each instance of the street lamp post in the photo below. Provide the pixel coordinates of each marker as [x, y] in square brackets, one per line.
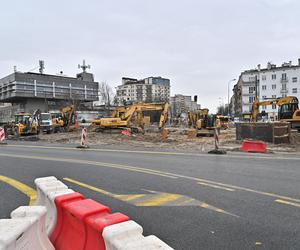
[228, 95]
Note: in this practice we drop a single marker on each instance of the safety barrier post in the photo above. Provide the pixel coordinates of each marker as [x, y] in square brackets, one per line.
[217, 149]
[2, 136]
[83, 143]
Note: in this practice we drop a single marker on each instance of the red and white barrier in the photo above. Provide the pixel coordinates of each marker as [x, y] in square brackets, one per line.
[83, 143]
[129, 235]
[2, 136]
[71, 222]
[25, 230]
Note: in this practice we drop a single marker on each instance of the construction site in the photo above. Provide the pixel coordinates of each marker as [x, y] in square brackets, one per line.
[55, 109]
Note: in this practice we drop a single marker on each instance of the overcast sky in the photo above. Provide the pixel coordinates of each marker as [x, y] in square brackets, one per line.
[199, 45]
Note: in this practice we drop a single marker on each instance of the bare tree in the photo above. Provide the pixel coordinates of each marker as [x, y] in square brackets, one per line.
[106, 95]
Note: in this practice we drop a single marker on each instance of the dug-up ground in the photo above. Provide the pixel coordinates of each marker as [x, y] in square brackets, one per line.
[178, 140]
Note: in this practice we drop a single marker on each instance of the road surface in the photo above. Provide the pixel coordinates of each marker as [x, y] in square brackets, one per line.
[190, 201]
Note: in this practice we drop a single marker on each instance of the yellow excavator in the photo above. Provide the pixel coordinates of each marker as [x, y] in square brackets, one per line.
[132, 116]
[224, 121]
[69, 118]
[64, 119]
[288, 109]
[202, 121]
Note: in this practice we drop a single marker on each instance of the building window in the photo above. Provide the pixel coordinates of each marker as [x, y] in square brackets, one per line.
[264, 87]
[294, 90]
[251, 99]
[294, 79]
[263, 107]
[274, 96]
[264, 97]
[251, 90]
[252, 78]
[273, 86]
[283, 76]
[274, 106]
[273, 76]
[284, 86]
[264, 77]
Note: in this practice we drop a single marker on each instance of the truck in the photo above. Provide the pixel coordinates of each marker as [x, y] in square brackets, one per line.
[46, 124]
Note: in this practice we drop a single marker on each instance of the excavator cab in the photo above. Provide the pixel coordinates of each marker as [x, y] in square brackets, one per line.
[286, 111]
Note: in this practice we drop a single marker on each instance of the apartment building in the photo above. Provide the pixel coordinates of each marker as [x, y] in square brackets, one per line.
[266, 83]
[181, 104]
[151, 89]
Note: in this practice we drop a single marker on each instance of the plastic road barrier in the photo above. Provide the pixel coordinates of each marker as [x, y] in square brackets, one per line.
[83, 143]
[129, 235]
[80, 223]
[48, 188]
[2, 136]
[25, 230]
[254, 146]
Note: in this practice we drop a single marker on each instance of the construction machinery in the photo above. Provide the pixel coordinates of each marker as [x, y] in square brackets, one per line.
[57, 120]
[224, 121]
[69, 119]
[25, 124]
[288, 109]
[45, 122]
[202, 121]
[132, 116]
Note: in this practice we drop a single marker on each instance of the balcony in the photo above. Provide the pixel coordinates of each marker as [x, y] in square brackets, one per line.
[284, 91]
[284, 79]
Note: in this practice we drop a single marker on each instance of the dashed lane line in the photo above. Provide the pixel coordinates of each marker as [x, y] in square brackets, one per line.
[287, 203]
[216, 186]
[31, 193]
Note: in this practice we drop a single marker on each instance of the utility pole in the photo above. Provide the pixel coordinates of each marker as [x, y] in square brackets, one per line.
[228, 112]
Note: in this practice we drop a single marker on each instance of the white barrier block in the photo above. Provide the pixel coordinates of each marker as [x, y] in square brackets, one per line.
[25, 230]
[128, 235]
[44, 187]
[48, 188]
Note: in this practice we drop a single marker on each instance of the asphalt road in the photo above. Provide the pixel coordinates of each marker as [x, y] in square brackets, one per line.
[190, 201]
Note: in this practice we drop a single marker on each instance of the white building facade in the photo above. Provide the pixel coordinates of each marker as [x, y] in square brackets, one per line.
[182, 104]
[269, 83]
[151, 89]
